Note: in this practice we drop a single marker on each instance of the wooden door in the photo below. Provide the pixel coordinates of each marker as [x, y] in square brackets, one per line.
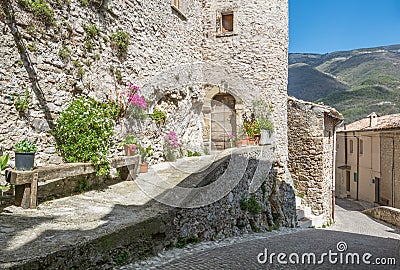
[223, 121]
[348, 181]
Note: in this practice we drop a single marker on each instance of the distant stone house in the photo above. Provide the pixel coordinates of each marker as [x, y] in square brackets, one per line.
[311, 135]
[368, 160]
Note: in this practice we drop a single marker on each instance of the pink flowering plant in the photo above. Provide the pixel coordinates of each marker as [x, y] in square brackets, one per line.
[130, 102]
[171, 145]
[232, 137]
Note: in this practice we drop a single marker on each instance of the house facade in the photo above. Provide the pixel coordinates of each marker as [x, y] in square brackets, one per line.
[368, 160]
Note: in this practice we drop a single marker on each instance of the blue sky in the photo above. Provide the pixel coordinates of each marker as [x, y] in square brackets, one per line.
[323, 26]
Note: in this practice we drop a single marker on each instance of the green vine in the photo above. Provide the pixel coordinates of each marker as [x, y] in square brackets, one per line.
[159, 116]
[251, 205]
[120, 42]
[40, 9]
[22, 103]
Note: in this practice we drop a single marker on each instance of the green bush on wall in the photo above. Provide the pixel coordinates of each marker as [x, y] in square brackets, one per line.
[120, 42]
[84, 131]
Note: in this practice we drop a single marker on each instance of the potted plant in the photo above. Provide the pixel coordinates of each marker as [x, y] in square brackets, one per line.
[172, 144]
[235, 142]
[25, 155]
[242, 139]
[144, 154]
[267, 128]
[251, 130]
[130, 145]
[262, 111]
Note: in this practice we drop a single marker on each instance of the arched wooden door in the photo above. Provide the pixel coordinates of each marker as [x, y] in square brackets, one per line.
[223, 120]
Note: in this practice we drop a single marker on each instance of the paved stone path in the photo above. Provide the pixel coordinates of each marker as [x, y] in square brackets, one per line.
[352, 233]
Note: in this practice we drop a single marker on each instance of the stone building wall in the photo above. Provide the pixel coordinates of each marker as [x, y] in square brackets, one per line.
[173, 54]
[311, 130]
[252, 60]
[387, 155]
[160, 38]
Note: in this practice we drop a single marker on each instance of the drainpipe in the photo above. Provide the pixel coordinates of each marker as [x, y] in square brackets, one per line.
[335, 128]
[358, 166]
[393, 176]
[345, 148]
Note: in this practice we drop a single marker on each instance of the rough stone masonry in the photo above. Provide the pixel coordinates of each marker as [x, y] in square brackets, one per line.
[174, 53]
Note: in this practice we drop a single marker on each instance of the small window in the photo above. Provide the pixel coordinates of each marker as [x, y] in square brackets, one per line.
[351, 147]
[227, 23]
[361, 147]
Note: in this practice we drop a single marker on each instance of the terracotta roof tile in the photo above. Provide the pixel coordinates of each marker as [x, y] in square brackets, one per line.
[391, 121]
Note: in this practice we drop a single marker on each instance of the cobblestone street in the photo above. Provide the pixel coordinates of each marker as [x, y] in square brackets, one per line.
[356, 233]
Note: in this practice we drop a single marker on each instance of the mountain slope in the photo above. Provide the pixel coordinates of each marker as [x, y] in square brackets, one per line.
[300, 85]
[355, 82]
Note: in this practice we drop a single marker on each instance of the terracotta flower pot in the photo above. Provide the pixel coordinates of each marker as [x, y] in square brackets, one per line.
[130, 149]
[251, 142]
[144, 168]
[257, 139]
[238, 143]
[244, 142]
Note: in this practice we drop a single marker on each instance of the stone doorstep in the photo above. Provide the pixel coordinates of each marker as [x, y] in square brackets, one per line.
[305, 215]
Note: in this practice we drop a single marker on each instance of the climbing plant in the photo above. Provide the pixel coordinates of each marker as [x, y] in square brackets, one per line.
[120, 42]
[40, 8]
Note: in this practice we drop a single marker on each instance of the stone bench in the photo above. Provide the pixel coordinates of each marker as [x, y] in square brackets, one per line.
[26, 182]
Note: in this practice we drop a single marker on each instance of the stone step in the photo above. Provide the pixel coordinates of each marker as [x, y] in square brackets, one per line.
[305, 216]
[305, 223]
[317, 221]
[298, 202]
[300, 214]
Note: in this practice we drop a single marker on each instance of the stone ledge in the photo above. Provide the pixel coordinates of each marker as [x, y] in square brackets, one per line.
[385, 213]
[102, 229]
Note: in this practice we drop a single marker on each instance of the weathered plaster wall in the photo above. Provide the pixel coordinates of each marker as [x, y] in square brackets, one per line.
[311, 142]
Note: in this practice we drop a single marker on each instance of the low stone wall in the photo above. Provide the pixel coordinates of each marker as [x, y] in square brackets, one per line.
[259, 202]
[385, 213]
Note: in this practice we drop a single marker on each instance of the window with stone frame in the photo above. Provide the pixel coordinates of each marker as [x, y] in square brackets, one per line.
[361, 147]
[351, 146]
[226, 24]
